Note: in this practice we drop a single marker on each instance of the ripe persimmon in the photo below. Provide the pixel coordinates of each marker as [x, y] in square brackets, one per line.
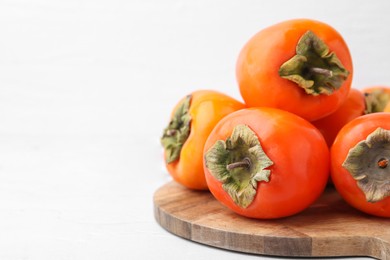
[266, 163]
[360, 169]
[183, 139]
[301, 66]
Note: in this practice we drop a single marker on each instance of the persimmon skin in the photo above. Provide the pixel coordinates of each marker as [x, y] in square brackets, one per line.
[262, 56]
[352, 108]
[351, 134]
[206, 109]
[387, 108]
[300, 156]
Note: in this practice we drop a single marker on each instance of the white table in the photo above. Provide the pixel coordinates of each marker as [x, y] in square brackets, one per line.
[86, 88]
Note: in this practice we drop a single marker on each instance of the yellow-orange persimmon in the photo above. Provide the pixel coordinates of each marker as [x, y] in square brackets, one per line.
[183, 139]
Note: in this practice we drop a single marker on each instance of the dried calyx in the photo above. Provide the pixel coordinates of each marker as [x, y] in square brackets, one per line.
[177, 131]
[314, 67]
[376, 101]
[239, 163]
[368, 163]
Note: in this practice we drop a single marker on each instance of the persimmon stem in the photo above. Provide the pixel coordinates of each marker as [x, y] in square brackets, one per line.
[239, 163]
[321, 71]
[368, 164]
[246, 162]
[383, 162]
[171, 132]
[315, 68]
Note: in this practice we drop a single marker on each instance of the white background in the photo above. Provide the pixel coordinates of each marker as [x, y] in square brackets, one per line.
[86, 87]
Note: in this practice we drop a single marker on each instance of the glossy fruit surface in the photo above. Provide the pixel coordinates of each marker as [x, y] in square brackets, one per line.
[266, 163]
[359, 158]
[310, 86]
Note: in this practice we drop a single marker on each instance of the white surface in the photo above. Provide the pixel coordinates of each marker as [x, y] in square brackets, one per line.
[86, 87]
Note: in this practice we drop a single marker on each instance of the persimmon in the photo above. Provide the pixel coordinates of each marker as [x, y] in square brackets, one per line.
[301, 66]
[183, 139]
[360, 169]
[352, 108]
[359, 102]
[266, 163]
[377, 98]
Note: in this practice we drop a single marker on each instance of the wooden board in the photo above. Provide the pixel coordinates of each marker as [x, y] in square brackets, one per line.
[328, 228]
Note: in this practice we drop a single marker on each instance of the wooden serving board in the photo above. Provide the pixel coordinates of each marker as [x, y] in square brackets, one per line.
[328, 228]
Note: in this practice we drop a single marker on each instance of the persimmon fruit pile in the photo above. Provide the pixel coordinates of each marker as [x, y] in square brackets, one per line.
[300, 127]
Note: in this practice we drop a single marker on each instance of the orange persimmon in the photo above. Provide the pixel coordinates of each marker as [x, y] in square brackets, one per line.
[360, 169]
[266, 163]
[183, 139]
[301, 66]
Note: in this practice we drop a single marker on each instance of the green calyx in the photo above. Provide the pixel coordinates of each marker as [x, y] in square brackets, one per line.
[177, 131]
[368, 163]
[239, 163]
[376, 101]
[314, 68]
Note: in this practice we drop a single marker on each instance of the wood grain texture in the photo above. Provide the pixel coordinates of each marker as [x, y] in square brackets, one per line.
[328, 228]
